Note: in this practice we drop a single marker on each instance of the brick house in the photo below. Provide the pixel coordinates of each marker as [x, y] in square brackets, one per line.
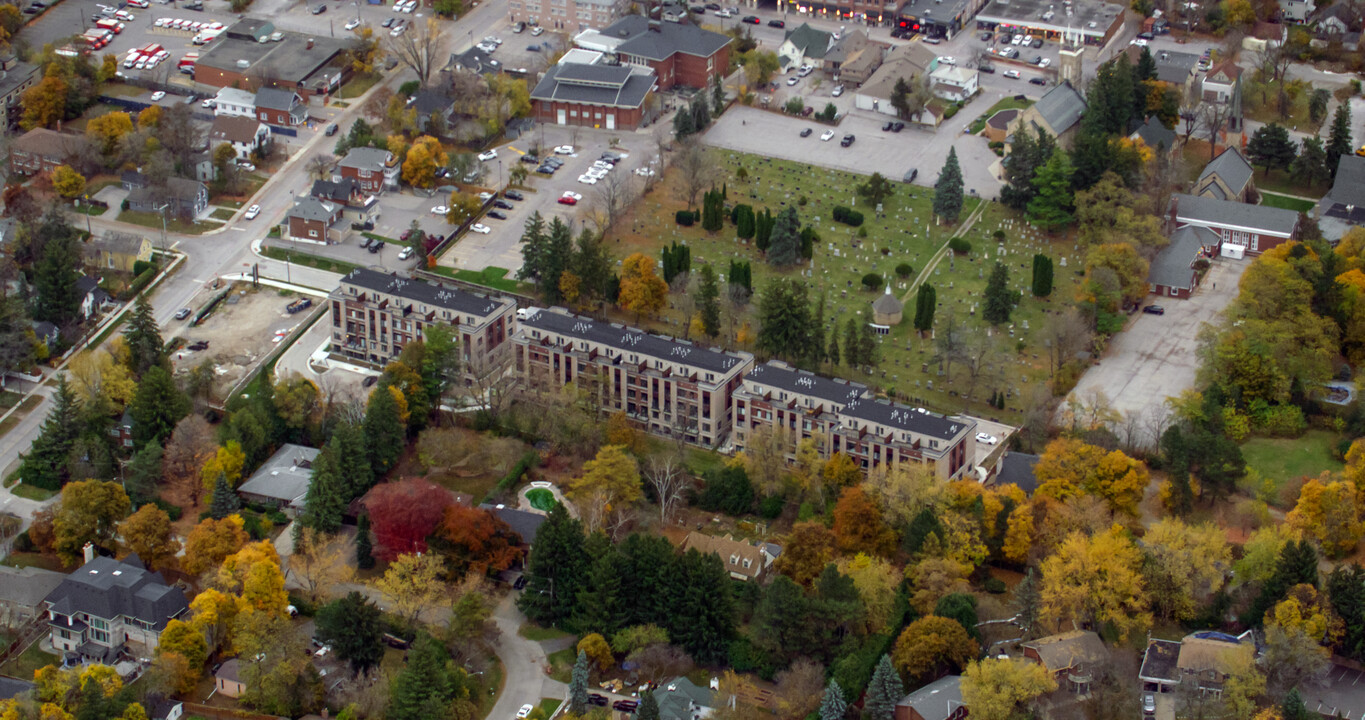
[375, 314]
[742, 560]
[245, 134]
[375, 169]
[252, 54]
[107, 603]
[1172, 273]
[681, 54]
[280, 107]
[310, 219]
[42, 150]
[600, 96]
[1242, 228]
[663, 385]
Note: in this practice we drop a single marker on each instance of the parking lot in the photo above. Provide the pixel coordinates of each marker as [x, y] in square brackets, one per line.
[1155, 357]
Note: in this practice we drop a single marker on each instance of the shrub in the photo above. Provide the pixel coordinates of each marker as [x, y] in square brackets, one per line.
[142, 266]
[172, 511]
[140, 283]
[771, 506]
[409, 88]
[904, 270]
[23, 543]
[994, 585]
[846, 216]
[999, 235]
[872, 281]
[684, 218]
[959, 246]
[801, 201]
[951, 111]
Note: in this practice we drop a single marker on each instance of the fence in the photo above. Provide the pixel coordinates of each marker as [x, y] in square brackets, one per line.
[276, 130]
[218, 713]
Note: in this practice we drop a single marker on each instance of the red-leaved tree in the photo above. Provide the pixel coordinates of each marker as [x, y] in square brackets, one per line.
[475, 540]
[403, 514]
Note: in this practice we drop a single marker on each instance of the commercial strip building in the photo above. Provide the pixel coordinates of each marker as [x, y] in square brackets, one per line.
[566, 14]
[251, 54]
[1085, 22]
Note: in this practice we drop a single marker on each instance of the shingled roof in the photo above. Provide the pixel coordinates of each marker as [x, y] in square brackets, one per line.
[107, 588]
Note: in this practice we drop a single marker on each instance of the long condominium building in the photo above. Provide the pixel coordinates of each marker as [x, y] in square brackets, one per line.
[375, 314]
[847, 419]
[665, 385]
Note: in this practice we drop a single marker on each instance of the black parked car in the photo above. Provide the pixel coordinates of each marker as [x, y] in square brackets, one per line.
[377, 246]
[502, 204]
[625, 705]
[889, 124]
[848, 140]
[806, 132]
[521, 583]
[1154, 310]
[529, 158]
[777, 23]
[497, 215]
[598, 700]
[751, 20]
[513, 195]
[1037, 81]
[320, 9]
[896, 126]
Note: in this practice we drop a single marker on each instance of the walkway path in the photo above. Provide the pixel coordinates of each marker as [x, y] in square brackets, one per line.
[942, 251]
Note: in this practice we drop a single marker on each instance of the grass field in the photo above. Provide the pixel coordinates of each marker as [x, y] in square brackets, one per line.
[359, 85]
[1284, 459]
[904, 234]
[32, 492]
[561, 664]
[222, 213]
[490, 277]
[1286, 202]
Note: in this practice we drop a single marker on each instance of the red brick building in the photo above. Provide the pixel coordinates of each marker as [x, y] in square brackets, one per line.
[280, 107]
[1242, 228]
[252, 54]
[611, 97]
[373, 168]
[679, 53]
[42, 150]
[310, 218]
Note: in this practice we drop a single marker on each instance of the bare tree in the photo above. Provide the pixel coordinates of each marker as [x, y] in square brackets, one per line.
[665, 474]
[321, 165]
[418, 49]
[977, 354]
[1213, 119]
[613, 194]
[684, 302]
[1066, 333]
[697, 170]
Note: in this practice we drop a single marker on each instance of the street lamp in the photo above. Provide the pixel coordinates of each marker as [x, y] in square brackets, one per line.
[162, 210]
[85, 210]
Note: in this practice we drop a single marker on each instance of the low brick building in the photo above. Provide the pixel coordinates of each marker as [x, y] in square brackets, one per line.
[598, 96]
[1242, 228]
[42, 150]
[311, 218]
[252, 54]
[679, 53]
[375, 169]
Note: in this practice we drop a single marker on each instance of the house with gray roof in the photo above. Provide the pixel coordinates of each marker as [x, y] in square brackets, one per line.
[1058, 113]
[181, 197]
[682, 699]
[939, 700]
[1227, 177]
[22, 591]
[374, 168]
[612, 97]
[311, 218]
[107, 604]
[525, 523]
[804, 45]
[245, 134]
[1242, 228]
[679, 53]
[283, 480]
[93, 297]
[1154, 135]
[280, 107]
[11, 688]
[436, 105]
[1016, 468]
[1343, 207]
[1173, 273]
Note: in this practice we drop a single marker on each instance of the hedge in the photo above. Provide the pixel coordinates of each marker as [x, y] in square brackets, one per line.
[684, 218]
[528, 459]
[140, 283]
[142, 266]
[848, 217]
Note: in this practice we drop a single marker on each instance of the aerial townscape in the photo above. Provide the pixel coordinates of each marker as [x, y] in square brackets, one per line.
[479, 359]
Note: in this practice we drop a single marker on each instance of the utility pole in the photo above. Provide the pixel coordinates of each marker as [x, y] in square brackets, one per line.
[163, 224]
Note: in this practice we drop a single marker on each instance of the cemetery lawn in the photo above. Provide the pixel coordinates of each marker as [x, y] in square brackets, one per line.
[907, 366]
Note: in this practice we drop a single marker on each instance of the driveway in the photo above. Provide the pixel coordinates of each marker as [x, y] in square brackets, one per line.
[772, 134]
[1155, 357]
[524, 662]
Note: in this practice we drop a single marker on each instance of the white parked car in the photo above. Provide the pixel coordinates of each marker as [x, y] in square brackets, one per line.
[986, 439]
[492, 39]
[536, 31]
[1017, 40]
[397, 30]
[564, 150]
[947, 60]
[252, 212]
[158, 95]
[825, 136]
[440, 210]
[353, 23]
[587, 179]
[1140, 42]
[488, 155]
[407, 253]
[838, 90]
[806, 70]
[480, 228]
[1012, 74]
[793, 80]
[485, 196]
[209, 103]
[130, 61]
[249, 167]
[572, 194]
[1044, 62]
[644, 172]
[524, 712]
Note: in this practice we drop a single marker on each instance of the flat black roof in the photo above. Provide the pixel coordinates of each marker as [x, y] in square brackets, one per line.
[807, 383]
[632, 340]
[424, 292]
[904, 417]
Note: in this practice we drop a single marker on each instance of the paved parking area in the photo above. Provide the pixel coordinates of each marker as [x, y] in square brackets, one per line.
[1155, 356]
[773, 134]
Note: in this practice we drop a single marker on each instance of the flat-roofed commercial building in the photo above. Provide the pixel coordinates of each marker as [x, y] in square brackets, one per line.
[1093, 22]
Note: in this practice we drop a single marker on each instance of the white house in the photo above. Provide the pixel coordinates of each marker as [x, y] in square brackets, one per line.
[231, 101]
[245, 134]
[954, 83]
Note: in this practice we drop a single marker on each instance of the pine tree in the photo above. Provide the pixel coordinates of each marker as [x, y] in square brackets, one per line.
[553, 569]
[364, 547]
[852, 349]
[708, 302]
[1042, 275]
[833, 705]
[832, 350]
[225, 501]
[578, 686]
[701, 114]
[1310, 167]
[1026, 601]
[784, 244]
[684, 124]
[948, 189]
[156, 407]
[384, 431]
[601, 599]
[1293, 707]
[324, 501]
[883, 691]
[784, 319]
[1146, 66]
[347, 447]
[867, 345]
[142, 474]
[533, 248]
[46, 463]
[926, 302]
[701, 614]
[998, 296]
[649, 707]
[54, 279]
[1271, 147]
[817, 335]
[1339, 138]
[425, 686]
[143, 339]
[763, 230]
[1051, 207]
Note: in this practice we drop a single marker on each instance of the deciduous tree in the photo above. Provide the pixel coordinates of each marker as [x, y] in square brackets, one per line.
[211, 541]
[148, 533]
[90, 511]
[997, 687]
[475, 540]
[1329, 511]
[1096, 579]
[858, 525]
[609, 482]
[931, 647]
[412, 583]
[404, 513]
[1187, 565]
[642, 292]
[320, 563]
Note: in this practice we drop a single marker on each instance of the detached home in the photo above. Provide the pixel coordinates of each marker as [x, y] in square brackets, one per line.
[245, 134]
[107, 603]
[310, 218]
[280, 107]
[374, 168]
[233, 102]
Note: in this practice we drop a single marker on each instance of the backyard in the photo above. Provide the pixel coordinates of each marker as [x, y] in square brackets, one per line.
[1284, 459]
[904, 233]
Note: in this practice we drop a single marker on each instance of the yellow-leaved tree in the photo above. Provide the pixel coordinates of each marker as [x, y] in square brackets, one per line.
[876, 580]
[1069, 467]
[211, 541]
[1095, 579]
[1329, 511]
[997, 687]
[148, 533]
[67, 182]
[106, 130]
[1187, 565]
[228, 461]
[212, 613]
[184, 640]
[642, 291]
[932, 646]
[412, 583]
[254, 573]
[608, 482]
[598, 651]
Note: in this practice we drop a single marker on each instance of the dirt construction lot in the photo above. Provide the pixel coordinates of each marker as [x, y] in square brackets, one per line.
[1155, 357]
[242, 329]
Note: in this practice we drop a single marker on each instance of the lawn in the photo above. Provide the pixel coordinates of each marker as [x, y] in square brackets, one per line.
[1286, 202]
[32, 492]
[313, 261]
[541, 499]
[91, 210]
[28, 662]
[1280, 182]
[31, 559]
[358, 85]
[222, 213]
[548, 706]
[24, 408]
[561, 664]
[1284, 459]
[153, 220]
[1261, 103]
[904, 234]
[491, 277]
[536, 633]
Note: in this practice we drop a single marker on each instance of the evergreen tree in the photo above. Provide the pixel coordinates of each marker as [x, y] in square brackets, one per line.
[784, 243]
[684, 124]
[1339, 138]
[701, 615]
[534, 245]
[817, 334]
[1310, 167]
[384, 431]
[225, 501]
[1346, 590]
[926, 302]
[852, 348]
[649, 707]
[784, 319]
[46, 465]
[143, 339]
[1092, 155]
[717, 95]
[1297, 565]
[1027, 599]
[833, 705]
[554, 568]
[601, 599]
[364, 547]
[883, 692]
[867, 345]
[1271, 148]
[1051, 208]
[426, 686]
[54, 279]
[701, 114]
[763, 230]
[142, 474]
[558, 256]
[1146, 66]
[1293, 707]
[353, 626]
[708, 302]
[324, 501]
[833, 350]
[156, 407]
[578, 686]
[1042, 275]
[999, 298]
[347, 448]
[744, 222]
[1029, 152]
[948, 189]
[809, 239]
